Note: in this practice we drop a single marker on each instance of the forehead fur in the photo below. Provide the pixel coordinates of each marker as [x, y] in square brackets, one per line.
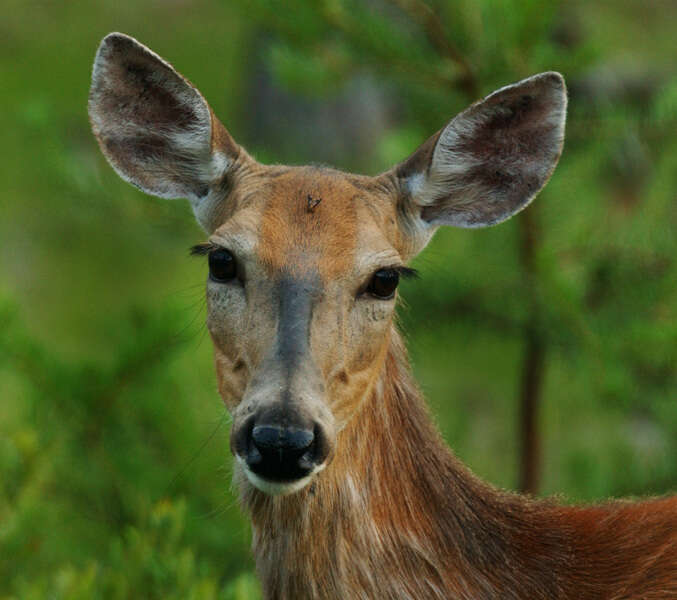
[311, 220]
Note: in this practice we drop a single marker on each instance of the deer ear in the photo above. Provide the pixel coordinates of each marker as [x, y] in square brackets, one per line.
[490, 161]
[154, 127]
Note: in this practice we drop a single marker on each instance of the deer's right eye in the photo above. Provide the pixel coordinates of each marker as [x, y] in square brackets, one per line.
[222, 265]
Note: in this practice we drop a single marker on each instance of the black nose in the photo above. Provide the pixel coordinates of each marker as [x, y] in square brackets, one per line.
[279, 453]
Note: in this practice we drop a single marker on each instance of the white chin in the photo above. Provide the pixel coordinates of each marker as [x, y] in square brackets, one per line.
[275, 488]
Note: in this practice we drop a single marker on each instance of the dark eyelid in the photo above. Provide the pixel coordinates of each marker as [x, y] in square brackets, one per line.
[404, 272]
[407, 272]
[206, 247]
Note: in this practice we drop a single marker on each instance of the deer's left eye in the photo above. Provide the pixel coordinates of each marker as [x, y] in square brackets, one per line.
[222, 265]
[383, 283]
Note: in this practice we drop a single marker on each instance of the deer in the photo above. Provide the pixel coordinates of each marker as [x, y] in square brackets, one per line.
[350, 488]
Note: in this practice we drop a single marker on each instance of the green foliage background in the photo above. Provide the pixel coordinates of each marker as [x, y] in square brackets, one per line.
[114, 461]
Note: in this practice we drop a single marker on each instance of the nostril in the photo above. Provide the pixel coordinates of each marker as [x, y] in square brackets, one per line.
[270, 437]
[254, 457]
[307, 459]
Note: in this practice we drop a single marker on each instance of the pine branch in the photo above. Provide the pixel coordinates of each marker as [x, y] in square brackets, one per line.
[425, 16]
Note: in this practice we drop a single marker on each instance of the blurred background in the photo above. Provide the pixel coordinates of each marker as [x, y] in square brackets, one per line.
[547, 347]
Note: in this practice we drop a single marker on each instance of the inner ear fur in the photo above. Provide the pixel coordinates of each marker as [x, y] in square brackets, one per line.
[153, 126]
[491, 160]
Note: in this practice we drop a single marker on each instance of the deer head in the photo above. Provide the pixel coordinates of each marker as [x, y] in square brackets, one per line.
[304, 262]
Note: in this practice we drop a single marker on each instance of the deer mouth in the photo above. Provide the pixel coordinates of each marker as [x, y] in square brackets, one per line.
[274, 487]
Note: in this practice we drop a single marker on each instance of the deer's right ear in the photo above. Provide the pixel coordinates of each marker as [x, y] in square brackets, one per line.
[156, 129]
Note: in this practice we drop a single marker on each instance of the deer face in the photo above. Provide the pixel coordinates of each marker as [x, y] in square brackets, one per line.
[304, 261]
[300, 303]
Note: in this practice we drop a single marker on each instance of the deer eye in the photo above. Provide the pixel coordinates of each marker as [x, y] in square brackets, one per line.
[222, 265]
[383, 283]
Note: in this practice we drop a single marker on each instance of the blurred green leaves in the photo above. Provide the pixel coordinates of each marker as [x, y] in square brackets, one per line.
[84, 434]
[151, 560]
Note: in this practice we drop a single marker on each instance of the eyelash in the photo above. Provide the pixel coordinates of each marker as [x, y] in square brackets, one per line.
[203, 249]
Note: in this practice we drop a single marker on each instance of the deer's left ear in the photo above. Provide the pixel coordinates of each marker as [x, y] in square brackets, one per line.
[489, 162]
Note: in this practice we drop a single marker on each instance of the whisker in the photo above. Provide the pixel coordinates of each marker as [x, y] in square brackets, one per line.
[196, 454]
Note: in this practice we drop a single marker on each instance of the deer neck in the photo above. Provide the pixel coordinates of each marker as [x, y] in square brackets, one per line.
[395, 515]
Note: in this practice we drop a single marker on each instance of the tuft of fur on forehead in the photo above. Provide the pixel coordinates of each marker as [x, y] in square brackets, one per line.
[297, 239]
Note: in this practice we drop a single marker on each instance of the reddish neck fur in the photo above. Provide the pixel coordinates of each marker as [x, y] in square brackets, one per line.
[396, 515]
